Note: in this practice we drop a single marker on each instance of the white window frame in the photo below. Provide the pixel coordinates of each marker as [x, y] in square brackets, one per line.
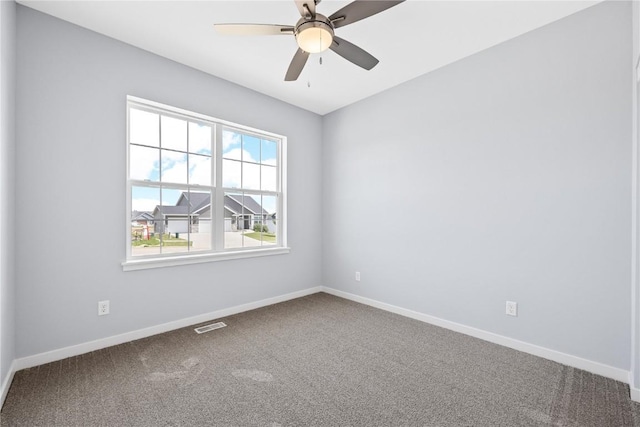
[217, 251]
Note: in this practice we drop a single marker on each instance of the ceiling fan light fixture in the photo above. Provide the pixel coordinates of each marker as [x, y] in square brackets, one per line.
[314, 36]
[314, 32]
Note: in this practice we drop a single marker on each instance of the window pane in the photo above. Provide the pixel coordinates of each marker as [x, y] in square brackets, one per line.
[173, 225]
[172, 196]
[199, 169]
[269, 221]
[231, 171]
[200, 227]
[174, 167]
[250, 149]
[262, 222]
[231, 145]
[144, 201]
[269, 182]
[199, 138]
[174, 133]
[143, 163]
[144, 128]
[250, 176]
[234, 222]
[269, 152]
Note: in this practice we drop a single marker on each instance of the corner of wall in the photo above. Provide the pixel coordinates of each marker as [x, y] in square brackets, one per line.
[8, 40]
[634, 379]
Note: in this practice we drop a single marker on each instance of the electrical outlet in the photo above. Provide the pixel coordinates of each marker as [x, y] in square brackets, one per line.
[512, 308]
[103, 307]
[357, 276]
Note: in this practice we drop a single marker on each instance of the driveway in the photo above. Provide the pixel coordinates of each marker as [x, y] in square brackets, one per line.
[201, 241]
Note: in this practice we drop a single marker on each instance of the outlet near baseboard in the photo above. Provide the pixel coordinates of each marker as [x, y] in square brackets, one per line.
[512, 308]
[103, 307]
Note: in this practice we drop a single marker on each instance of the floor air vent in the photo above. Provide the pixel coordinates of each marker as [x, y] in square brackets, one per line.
[211, 327]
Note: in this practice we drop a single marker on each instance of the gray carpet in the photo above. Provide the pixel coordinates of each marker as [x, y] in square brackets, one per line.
[318, 360]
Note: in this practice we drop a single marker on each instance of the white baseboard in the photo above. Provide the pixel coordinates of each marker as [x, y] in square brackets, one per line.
[566, 359]
[4, 388]
[75, 350]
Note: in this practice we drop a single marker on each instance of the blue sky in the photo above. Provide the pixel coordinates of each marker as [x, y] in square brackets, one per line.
[248, 160]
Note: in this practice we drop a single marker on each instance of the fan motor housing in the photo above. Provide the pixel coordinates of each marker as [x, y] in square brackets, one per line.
[314, 35]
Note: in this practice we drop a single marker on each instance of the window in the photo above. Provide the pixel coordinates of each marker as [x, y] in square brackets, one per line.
[200, 189]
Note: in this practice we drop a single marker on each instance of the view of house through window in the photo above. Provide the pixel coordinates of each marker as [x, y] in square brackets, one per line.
[198, 185]
[250, 165]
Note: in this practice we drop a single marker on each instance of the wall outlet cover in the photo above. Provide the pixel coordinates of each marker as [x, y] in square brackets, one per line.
[103, 307]
[512, 308]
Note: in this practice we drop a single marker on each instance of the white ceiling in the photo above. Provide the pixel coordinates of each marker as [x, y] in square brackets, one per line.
[410, 39]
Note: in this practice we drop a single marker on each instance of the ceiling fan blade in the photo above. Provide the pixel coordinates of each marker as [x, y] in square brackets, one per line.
[353, 53]
[311, 4]
[359, 9]
[253, 29]
[296, 66]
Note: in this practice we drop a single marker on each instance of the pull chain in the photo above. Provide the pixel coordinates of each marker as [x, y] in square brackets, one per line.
[309, 81]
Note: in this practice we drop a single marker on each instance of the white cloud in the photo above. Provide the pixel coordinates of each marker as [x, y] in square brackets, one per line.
[144, 204]
[251, 176]
[174, 167]
[269, 178]
[200, 170]
[199, 138]
[232, 173]
[143, 127]
[174, 133]
[143, 162]
[229, 139]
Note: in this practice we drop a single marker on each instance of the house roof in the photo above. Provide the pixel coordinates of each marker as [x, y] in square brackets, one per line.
[234, 203]
[200, 201]
[172, 210]
[141, 215]
[196, 200]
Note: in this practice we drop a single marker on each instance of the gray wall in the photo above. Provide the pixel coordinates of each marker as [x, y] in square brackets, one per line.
[70, 124]
[7, 190]
[514, 165]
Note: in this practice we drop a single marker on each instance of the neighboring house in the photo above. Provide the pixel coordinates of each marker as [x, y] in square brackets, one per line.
[141, 218]
[142, 223]
[239, 216]
[192, 213]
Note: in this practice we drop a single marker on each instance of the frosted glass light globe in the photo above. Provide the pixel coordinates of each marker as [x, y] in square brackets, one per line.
[314, 39]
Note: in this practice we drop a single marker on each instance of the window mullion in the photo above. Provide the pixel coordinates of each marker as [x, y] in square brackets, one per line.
[189, 204]
[128, 191]
[281, 180]
[218, 193]
[161, 236]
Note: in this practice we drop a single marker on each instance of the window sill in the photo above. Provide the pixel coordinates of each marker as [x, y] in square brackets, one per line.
[147, 263]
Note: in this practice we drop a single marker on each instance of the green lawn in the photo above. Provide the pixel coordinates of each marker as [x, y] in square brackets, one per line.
[265, 237]
[167, 240]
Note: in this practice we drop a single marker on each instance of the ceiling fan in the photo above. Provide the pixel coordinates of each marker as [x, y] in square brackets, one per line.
[315, 32]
